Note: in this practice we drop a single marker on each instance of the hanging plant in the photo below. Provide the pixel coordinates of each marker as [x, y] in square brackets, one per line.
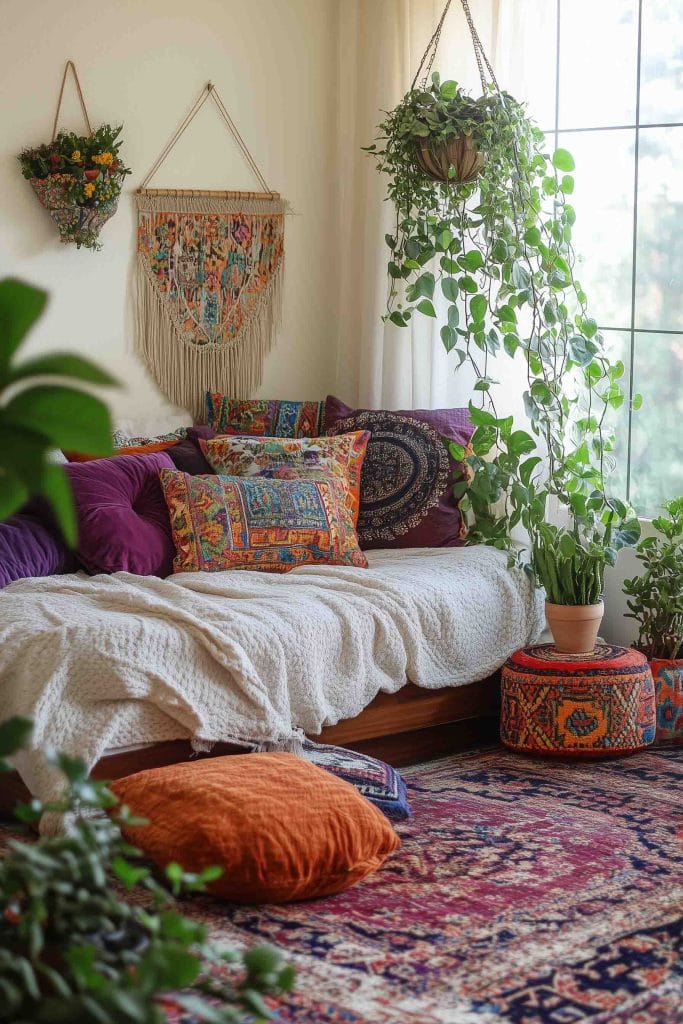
[77, 178]
[494, 245]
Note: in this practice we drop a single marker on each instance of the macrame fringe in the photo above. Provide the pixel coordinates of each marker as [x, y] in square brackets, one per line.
[183, 369]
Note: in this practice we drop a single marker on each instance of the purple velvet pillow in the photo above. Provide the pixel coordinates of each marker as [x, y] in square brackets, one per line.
[406, 496]
[187, 456]
[123, 522]
[29, 548]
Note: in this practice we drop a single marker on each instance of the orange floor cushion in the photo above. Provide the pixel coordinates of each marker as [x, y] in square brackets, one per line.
[281, 828]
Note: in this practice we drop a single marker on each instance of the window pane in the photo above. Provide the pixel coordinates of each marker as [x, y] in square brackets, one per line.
[661, 71]
[659, 280]
[618, 349]
[656, 447]
[598, 62]
[603, 233]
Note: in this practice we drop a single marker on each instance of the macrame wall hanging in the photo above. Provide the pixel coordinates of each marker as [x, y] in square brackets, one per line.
[209, 279]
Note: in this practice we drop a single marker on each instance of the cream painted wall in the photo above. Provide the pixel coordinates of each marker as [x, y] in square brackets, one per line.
[143, 62]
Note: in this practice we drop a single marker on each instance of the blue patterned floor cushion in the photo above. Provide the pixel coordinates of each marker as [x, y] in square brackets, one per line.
[378, 782]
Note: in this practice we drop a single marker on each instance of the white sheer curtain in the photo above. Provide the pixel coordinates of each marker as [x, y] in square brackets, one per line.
[381, 43]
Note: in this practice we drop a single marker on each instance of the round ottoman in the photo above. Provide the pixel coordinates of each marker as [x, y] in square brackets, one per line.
[577, 705]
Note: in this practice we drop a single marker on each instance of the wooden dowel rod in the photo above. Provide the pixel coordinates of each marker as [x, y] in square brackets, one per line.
[216, 194]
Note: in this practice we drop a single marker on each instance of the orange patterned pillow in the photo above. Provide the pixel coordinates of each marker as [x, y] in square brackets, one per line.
[283, 458]
[232, 522]
[281, 828]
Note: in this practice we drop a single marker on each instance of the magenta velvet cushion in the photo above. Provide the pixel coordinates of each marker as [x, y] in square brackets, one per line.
[123, 522]
[30, 548]
[406, 491]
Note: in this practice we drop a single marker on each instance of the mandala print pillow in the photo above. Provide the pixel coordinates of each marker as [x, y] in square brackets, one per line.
[229, 522]
[317, 458]
[406, 491]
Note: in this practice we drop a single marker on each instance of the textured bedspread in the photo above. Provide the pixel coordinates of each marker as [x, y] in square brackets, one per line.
[247, 657]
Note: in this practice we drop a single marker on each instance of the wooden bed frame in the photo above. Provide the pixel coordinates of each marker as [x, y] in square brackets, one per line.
[412, 725]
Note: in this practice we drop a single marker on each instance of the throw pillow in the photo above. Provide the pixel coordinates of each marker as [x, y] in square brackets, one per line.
[29, 548]
[228, 522]
[376, 781]
[138, 445]
[316, 458]
[263, 417]
[280, 828]
[123, 521]
[188, 456]
[406, 494]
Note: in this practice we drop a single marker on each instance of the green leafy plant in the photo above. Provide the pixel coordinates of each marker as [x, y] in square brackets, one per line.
[498, 252]
[72, 949]
[36, 417]
[655, 598]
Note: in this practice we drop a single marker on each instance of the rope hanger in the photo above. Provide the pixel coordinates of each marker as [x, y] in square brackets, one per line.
[479, 53]
[209, 90]
[70, 66]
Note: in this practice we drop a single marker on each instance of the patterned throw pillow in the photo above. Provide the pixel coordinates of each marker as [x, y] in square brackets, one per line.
[138, 445]
[406, 491]
[308, 458]
[262, 417]
[378, 782]
[229, 522]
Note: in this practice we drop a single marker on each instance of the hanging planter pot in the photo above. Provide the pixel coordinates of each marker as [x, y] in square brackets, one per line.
[459, 153]
[77, 178]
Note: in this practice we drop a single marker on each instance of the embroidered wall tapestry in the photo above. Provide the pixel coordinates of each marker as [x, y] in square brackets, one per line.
[209, 280]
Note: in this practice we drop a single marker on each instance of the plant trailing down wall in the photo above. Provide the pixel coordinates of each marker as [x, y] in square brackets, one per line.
[483, 223]
[77, 178]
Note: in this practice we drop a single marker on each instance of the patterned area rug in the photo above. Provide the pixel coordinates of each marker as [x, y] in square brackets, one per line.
[525, 891]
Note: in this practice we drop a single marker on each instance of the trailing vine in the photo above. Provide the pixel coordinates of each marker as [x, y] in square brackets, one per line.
[495, 255]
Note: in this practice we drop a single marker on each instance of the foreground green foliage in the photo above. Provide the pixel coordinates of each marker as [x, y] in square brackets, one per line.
[36, 417]
[655, 599]
[497, 252]
[73, 950]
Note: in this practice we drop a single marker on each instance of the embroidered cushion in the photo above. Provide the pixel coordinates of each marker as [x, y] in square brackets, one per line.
[315, 458]
[376, 781]
[406, 497]
[280, 828]
[263, 417]
[138, 445]
[123, 522]
[229, 522]
[29, 548]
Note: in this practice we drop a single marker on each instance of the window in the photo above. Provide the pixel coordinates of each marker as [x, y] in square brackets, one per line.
[613, 96]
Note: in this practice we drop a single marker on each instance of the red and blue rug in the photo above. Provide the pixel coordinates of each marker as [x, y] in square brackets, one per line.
[525, 891]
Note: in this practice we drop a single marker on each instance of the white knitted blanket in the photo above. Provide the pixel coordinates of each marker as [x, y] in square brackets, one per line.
[107, 661]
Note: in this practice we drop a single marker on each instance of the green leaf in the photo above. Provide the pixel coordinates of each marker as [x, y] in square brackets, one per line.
[520, 443]
[478, 307]
[397, 318]
[426, 307]
[20, 307]
[424, 286]
[532, 237]
[457, 451]
[448, 337]
[481, 417]
[520, 276]
[468, 284]
[70, 419]
[62, 365]
[449, 90]
[13, 492]
[506, 314]
[55, 486]
[472, 260]
[14, 734]
[567, 184]
[449, 287]
[453, 316]
[563, 160]
[636, 402]
[527, 468]
[567, 546]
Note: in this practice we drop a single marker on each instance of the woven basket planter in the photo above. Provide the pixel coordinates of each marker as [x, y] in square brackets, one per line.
[460, 153]
[77, 224]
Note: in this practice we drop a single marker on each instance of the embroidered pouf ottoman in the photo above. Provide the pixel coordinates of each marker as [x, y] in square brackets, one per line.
[577, 705]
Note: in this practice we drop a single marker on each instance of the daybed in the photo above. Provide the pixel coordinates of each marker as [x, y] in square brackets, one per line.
[106, 663]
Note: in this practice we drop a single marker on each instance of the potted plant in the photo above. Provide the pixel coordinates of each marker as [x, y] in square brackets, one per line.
[496, 247]
[655, 601]
[78, 179]
[72, 948]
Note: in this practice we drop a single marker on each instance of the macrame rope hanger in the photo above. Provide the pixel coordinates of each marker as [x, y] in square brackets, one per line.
[209, 90]
[70, 66]
[482, 60]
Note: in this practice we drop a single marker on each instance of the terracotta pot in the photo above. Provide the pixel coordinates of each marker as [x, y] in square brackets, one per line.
[668, 676]
[574, 627]
[460, 153]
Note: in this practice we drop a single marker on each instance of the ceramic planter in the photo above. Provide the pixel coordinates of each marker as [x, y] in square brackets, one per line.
[574, 627]
[668, 677]
[76, 224]
[460, 152]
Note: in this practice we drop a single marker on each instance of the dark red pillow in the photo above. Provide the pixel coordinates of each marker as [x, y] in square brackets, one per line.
[406, 491]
